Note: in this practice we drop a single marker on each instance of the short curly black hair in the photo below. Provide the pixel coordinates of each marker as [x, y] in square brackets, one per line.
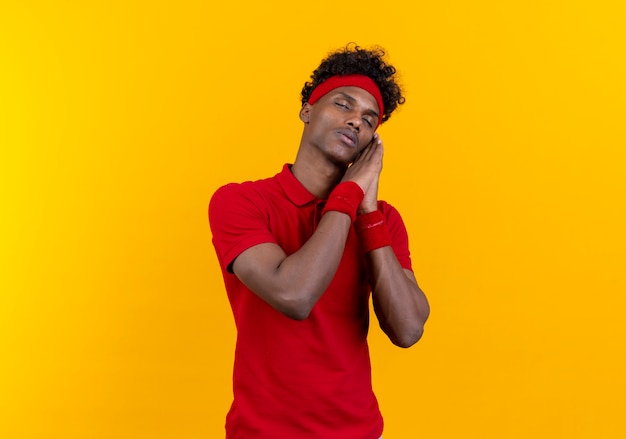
[354, 60]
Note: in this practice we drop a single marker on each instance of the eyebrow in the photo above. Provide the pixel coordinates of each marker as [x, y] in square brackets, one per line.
[352, 99]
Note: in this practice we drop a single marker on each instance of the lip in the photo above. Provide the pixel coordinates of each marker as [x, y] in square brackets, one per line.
[347, 136]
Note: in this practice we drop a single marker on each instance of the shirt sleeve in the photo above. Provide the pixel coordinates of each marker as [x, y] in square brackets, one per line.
[238, 221]
[399, 235]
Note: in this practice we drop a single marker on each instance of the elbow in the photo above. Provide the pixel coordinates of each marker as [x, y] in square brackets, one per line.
[295, 309]
[409, 338]
[296, 314]
[406, 334]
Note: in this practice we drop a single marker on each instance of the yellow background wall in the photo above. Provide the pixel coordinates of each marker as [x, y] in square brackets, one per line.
[119, 120]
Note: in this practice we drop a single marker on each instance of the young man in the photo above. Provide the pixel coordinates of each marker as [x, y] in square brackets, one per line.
[300, 253]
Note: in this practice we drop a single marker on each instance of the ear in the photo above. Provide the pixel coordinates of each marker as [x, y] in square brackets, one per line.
[305, 112]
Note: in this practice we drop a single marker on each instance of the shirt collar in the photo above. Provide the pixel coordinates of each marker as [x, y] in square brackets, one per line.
[295, 191]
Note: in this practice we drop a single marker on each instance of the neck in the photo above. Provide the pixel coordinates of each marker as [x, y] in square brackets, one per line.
[317, 175]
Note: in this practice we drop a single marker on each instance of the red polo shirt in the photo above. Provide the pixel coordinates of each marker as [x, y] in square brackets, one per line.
[293, 379]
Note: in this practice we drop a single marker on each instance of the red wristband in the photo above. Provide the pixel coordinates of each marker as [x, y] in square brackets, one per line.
[345, 198]
[372, 231]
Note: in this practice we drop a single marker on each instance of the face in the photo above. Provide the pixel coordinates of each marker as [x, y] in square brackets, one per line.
[341, 123]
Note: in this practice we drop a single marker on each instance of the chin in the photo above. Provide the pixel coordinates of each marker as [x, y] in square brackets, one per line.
[344, 159]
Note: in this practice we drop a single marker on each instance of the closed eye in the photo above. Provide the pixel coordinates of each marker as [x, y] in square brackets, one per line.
[339, 104]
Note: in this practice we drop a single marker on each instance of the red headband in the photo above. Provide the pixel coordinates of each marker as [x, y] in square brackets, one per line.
[361, 81]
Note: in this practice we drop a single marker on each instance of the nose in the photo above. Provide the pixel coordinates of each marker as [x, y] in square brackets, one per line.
[355, 123]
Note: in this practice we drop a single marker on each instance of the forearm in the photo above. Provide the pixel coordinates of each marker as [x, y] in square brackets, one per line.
[304, 275]
[400, 305]
[294, 283]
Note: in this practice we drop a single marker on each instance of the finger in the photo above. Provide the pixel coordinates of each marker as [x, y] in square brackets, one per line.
[368, 152]
[366, 156]
[375, 139]
[372, 151]
[358, 156]
[378, 146]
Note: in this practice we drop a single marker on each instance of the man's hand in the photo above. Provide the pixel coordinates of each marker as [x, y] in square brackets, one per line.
[365, 171]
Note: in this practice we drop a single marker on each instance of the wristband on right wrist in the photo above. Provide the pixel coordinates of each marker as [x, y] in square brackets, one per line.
[371, 230]
[345, 198]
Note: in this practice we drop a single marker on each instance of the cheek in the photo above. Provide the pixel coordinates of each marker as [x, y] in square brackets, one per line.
[365, 138]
